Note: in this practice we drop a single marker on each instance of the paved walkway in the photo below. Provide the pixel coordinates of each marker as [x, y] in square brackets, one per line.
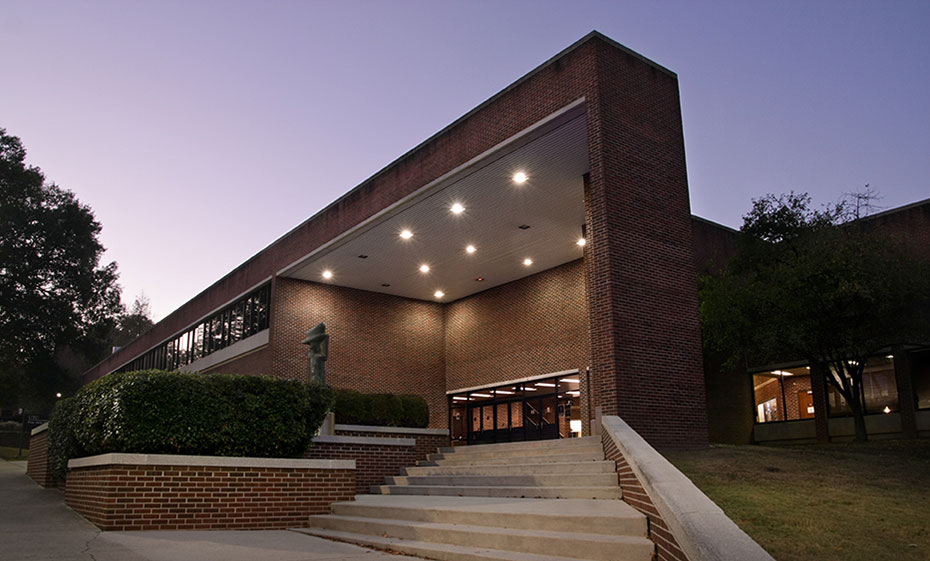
[35, 525]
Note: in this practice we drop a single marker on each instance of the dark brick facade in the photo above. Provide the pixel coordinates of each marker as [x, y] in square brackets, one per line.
[379, 343]
[646, 357]
[643, 343]
[529, 327]
[256, 362]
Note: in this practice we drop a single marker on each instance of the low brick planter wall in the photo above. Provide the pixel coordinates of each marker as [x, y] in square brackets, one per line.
[378, 451]
[37, 466]
[165, 492]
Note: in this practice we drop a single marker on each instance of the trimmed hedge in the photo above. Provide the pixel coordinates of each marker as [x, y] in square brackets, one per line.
[380, 409]
[158, 412]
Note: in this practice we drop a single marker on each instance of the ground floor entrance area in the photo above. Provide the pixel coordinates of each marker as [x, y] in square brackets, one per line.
[539, 408]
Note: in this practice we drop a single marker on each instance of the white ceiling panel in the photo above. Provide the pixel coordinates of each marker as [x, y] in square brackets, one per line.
[550, 202]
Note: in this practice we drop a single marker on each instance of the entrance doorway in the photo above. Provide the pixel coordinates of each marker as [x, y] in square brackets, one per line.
[537, 409]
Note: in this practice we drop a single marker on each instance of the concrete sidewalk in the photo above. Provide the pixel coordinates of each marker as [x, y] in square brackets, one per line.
[35, 525]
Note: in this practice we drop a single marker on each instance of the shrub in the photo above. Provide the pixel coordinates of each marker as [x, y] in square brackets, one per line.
[381, 410]
[159, 412]
[61, 442]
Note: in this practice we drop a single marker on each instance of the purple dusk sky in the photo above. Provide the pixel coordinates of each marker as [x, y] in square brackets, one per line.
[199, 132]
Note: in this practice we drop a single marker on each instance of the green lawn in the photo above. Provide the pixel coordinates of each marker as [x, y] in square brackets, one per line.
[8, 453]
[842, 502]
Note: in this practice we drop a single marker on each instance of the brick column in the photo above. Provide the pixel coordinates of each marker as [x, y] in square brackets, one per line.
[642, 283]
[906, 397]
[819, 391]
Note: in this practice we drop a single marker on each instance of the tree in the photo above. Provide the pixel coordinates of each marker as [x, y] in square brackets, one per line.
[821, 285]
[55, 297]
[134, 322]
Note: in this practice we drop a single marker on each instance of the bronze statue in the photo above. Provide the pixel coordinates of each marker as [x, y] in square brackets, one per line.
[319, 351]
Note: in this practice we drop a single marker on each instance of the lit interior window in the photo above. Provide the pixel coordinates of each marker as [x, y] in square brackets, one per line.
[406, 234]
[545, 384]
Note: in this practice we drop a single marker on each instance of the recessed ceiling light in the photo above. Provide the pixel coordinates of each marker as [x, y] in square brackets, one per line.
[479, 279]
[424, 268]
[457, 208]
[406, 234]
[327, 274]
[581, 242]
[527, 261]
[520, 178]
[439, 294]
[470, 249]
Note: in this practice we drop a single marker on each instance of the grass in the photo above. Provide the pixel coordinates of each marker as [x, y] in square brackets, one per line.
[842, 502]
[10, 453]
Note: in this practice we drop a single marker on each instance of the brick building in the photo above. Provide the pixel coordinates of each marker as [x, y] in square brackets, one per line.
[530, 263]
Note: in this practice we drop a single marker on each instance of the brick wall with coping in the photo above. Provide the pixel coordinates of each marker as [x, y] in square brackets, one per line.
[667, 548]
[152, 496]
[37, 465]
[375, 461]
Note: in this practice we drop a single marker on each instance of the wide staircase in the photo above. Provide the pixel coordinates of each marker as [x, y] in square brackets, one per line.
[551, 500]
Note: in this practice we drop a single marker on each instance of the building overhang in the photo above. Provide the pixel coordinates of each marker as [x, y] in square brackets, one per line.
[515, 229]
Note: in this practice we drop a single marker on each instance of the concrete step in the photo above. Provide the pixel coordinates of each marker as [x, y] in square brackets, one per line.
[559, 443]
[595, 547]
[565, 515]
[488, 491]
[603, 466]
[543, 480]
[592, 447]
[452, 459]
[427, 550]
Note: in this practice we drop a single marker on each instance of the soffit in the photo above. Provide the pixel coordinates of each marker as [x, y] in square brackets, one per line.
[550, 202]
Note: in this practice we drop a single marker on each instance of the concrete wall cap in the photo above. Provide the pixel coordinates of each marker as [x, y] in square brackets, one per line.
[207, 461]
[701, 528]
[41, 428]
[369, 440]
[392, 430]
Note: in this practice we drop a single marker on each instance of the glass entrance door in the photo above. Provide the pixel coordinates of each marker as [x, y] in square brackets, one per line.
[535, 410]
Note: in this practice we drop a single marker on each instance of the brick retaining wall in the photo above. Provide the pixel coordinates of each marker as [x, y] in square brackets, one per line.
[37, 466]
[667, 548]
[160, 492]
[376, 457]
